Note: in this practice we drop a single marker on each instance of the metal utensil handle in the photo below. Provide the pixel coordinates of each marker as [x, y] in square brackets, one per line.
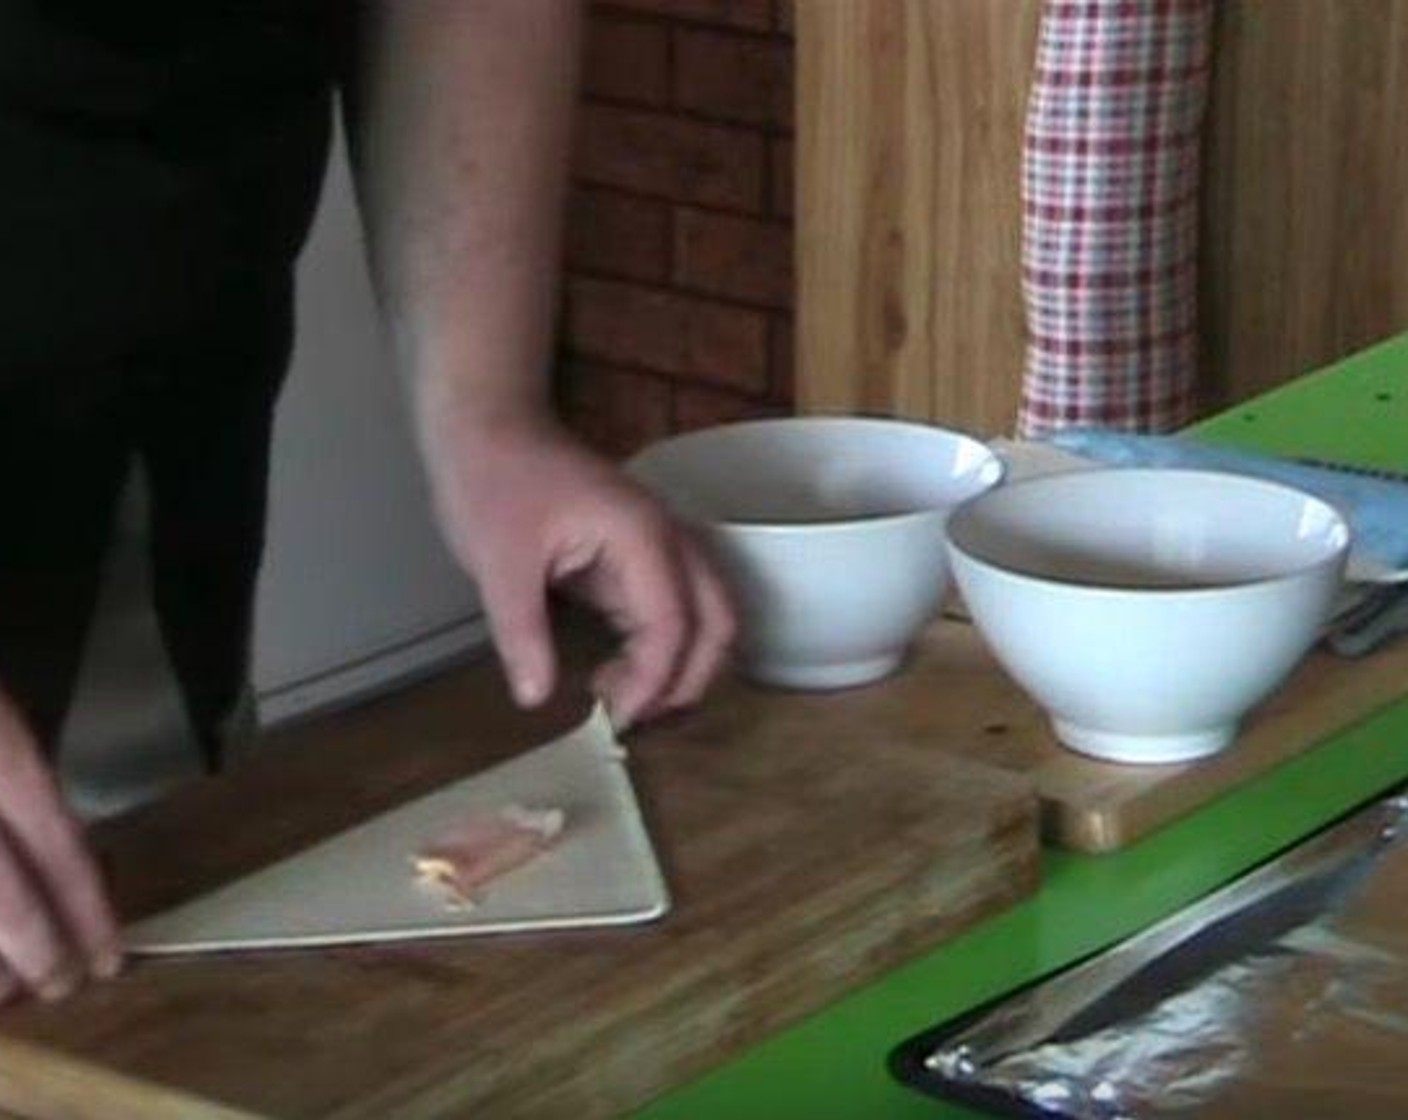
[1382, 616]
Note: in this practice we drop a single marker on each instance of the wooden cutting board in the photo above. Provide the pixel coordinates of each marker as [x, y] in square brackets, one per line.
[1098, 807]
[956, 696]
[808, 847]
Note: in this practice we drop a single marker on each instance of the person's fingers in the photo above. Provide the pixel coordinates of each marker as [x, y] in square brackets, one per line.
[50, 843]
[31, 942]
[655, 612]
[715, 626]
[515, 599]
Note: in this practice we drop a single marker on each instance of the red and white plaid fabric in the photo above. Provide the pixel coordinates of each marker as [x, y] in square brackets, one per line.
[1110, 196]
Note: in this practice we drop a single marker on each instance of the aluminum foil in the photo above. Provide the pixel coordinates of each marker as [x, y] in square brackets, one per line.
[1284, 994]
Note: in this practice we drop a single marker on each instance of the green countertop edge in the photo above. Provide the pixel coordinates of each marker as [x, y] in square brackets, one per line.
[832, 1065]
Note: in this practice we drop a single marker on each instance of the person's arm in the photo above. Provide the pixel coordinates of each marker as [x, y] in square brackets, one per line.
[461, 128]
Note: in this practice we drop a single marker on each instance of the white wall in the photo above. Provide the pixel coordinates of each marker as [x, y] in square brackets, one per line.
[357, 589]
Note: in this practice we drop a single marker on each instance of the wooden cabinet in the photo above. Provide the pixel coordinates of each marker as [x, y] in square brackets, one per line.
[1305, 216]
[909, 154]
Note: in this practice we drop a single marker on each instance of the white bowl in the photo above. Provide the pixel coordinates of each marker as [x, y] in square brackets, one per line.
[832, 530]
[1148, 610]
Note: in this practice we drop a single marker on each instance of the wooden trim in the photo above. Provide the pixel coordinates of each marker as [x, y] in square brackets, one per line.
[39, 1084]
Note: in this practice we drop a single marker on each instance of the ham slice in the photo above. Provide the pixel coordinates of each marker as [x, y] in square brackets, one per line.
[483, 847]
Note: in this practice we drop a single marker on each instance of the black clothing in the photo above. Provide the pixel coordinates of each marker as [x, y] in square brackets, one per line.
[159, 167]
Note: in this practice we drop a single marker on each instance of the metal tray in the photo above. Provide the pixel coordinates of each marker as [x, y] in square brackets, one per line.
[1284, 993]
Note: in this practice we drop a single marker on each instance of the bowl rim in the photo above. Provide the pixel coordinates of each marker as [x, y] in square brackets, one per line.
[760, 527]
[1336, 558]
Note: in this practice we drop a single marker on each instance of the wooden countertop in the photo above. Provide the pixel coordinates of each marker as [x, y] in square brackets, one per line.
[811, 843]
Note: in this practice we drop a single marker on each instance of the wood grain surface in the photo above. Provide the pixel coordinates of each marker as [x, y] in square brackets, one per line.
[955, 697]
[1095, 806]
[910, 116]
[812, 842]
[810, 845]
[1305, 218]
[909, 209]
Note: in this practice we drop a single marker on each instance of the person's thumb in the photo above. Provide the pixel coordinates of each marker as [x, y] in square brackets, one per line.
[515, 600]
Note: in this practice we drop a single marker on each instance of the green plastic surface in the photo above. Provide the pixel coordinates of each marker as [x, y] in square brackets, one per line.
[832, 1065]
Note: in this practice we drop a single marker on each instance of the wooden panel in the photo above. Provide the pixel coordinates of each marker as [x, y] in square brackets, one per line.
[810, 847]
[910, 120]
[909, 218]
[1305, 213]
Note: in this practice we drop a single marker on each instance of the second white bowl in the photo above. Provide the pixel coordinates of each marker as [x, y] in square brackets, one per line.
[1148, 610]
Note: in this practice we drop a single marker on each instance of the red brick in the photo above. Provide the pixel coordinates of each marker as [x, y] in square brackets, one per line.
[782, 155]
[753, 14]
[618, 235]
[734, 77]
[697, 407]
[782, 363]
[741, 258]
[627, 59]
[685, 160]
[669, 333]
[617, 411]
[786, 17]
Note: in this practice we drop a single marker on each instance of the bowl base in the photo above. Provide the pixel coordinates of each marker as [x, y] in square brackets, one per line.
[823, 678]
[1116, 746]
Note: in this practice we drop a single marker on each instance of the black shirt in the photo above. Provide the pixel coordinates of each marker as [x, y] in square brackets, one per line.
[159, 160]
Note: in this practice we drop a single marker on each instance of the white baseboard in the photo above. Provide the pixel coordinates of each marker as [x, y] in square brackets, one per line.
[376, 673]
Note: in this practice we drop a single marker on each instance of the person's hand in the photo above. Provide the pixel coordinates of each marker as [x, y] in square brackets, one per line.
[56, 924]
[526, 507]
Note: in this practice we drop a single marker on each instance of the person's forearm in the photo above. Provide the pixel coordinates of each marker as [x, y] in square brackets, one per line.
[461, 128]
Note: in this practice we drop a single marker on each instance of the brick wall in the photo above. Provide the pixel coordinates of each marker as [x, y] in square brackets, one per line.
[679, 242]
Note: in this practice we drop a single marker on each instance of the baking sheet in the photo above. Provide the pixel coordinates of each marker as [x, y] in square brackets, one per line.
[358, 886]
[1284, 994]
